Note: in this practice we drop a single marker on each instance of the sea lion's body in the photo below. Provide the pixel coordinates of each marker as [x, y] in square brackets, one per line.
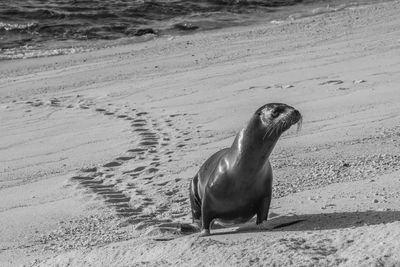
[235, 183]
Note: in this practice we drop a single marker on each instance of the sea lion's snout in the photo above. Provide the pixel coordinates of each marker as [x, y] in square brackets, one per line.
[293, 116]
[296, 116]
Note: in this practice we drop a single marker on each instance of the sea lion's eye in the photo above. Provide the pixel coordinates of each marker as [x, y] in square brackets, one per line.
[274, 113]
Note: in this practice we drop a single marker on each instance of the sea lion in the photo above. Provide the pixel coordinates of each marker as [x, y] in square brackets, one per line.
[235, 183]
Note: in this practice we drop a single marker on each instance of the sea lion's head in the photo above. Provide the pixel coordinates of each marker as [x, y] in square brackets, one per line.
[276, 118]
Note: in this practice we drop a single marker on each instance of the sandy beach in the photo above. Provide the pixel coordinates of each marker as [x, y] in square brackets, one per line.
[98, 148]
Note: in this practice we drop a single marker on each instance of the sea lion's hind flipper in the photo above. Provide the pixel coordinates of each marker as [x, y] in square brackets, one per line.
[195, 201]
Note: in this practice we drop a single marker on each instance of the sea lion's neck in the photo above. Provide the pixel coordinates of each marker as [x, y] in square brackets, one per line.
[250, 150]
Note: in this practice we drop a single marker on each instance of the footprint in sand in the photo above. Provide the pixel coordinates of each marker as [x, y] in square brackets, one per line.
[130, 186]
[117, 199]
[152, 170]
[114, 198]
[128, 211]
[151, 139]
[149, 134]
[258, 87]
[91, 182]
[141, 130]
[124, 158]
[112, 164]
[171, 192]
[138, 124]
[139, 192]
[94, 169]
[82, 179]
[157, 160]
[148, 143]
[137, 150]
[334, 82]
[139, 169]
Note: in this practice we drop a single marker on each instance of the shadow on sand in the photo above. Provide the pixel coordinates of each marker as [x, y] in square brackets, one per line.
[307, 222]
[323, 221]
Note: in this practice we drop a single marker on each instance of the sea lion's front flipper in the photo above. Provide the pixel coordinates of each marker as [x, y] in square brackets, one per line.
[263, 209]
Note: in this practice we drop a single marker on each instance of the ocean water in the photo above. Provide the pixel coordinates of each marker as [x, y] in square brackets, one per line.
[34, 28]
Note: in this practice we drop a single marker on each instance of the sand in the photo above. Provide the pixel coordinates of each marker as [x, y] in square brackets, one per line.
[98, 148]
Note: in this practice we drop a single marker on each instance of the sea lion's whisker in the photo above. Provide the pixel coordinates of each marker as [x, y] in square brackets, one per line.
[270, 131]
[273, 129]
[299, 124]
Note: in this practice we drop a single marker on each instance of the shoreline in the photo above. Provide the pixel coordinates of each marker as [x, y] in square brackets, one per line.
[116, 135]
[286, 14]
